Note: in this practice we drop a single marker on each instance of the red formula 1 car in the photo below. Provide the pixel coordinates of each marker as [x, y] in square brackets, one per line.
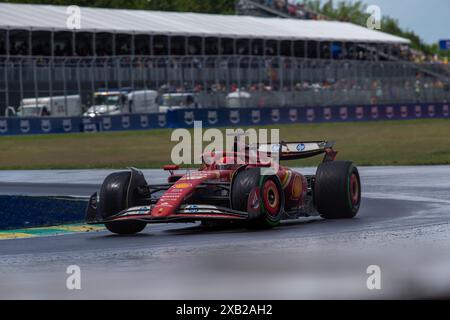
[227, 192]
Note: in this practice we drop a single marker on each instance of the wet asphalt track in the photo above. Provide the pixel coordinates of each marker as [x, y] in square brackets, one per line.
[403, 227]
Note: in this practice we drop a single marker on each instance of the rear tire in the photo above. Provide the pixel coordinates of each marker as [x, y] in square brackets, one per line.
[271, 197]
[337, 190]
[116, 197]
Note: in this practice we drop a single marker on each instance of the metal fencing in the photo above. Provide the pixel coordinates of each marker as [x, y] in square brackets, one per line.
[270, 81]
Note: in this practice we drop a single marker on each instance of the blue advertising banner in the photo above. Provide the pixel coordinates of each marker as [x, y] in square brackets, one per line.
[444, 44]
[18, 126]
[269, 116]
[222, 118]
[21, 126]
[128, 122]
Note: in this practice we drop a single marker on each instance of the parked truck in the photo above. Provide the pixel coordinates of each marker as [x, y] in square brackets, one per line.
[62, 106]
[123, 101]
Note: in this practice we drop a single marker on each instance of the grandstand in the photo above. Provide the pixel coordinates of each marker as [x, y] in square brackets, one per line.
[31, 30]
[282, 62]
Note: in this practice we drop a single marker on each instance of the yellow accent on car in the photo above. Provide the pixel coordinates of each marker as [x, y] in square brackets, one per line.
[183, 186]
[286, 179]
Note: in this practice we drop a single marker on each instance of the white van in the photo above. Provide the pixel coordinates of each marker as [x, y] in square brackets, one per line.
[145, 101]
[176, 101]
[62, 106]
[239, 99]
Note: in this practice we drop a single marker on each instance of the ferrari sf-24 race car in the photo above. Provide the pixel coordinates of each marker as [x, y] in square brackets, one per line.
[223, 191]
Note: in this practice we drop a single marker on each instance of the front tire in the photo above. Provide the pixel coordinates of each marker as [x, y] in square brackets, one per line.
[270, 196]
[337, 190]
[115, 196]
[126, 227]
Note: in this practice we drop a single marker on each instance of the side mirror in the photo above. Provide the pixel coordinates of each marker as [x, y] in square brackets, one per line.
[171, 168]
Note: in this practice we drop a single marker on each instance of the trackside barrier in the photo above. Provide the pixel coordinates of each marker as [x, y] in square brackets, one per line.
[223, 118]
[26, 212]
[23, 126]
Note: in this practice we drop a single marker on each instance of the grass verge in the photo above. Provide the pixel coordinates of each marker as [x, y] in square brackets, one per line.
[417, 142]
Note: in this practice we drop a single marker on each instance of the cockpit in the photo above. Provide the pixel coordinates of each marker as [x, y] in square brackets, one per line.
[222, 161]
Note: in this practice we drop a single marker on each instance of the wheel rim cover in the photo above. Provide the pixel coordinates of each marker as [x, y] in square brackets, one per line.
[354, 189]
[271, 198]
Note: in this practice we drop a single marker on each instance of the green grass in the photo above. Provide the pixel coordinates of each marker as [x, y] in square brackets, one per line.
[418, 142]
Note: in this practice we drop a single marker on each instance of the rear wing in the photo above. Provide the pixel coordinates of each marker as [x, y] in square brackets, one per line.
[300, 150]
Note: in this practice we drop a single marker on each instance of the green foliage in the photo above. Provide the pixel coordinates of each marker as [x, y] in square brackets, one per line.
[207, 6]
[355, 12]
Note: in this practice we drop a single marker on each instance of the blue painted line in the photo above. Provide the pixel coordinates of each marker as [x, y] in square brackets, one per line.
[18, 212]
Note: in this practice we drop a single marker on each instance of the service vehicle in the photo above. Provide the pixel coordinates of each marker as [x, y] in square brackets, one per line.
[58, 106]
[116, 102]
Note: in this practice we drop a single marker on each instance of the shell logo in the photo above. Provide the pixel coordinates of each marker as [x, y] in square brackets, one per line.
[144, 121]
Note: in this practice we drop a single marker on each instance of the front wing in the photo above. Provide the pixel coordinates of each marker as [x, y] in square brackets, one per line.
[185, 213]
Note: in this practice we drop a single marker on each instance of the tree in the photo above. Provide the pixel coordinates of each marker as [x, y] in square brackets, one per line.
[355, 12]
[207, 6]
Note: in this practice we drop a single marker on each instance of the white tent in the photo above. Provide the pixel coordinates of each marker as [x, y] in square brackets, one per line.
[48, 17]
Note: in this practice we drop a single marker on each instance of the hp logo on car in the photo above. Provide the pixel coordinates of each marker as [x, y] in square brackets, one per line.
[301, 147]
